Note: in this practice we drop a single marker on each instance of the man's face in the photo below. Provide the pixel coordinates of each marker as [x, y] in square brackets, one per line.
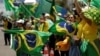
[20, 24]
[71, 18]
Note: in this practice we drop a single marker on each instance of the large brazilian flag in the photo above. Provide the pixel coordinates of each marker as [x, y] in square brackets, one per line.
[61, 27]
[29, 41]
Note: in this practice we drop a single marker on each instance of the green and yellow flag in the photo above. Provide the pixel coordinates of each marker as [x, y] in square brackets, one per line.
[9, 4]
[29, 41]
[62, 28]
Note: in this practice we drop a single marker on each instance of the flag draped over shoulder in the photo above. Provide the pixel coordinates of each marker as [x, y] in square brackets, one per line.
[29, 42]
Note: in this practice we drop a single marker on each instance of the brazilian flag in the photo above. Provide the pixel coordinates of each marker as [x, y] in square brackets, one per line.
[15, 38]
[29, 41]
[62, 28]
[16, 42]
[27, 10]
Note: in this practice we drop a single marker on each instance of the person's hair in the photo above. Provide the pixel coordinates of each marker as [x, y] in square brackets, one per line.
[4, 19]
[32, 17]
[43, 14]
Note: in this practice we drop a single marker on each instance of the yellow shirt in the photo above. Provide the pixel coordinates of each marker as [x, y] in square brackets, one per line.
[5, 25]
[87, 31]
[80, 28]
[44, 27]
[90, 31]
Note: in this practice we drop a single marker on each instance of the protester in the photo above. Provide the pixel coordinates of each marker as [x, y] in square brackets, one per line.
[44, 25]
[34, 23]
[87, 30]
[7, 26]
[20, 23]
[75, 34]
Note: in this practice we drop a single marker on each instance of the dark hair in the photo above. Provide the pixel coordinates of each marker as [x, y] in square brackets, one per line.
[9, 26]
[32, 17]
[43, 14]
[21, 15]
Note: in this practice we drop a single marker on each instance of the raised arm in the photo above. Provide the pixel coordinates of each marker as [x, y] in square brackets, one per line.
[80, 13]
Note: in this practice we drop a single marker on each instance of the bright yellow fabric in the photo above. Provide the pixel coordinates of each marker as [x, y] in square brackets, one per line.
[44, 27]
[38, 39]
[87, 31]
[80, 28]
[64, 30]
[11, 2]
[5, 25]
[90, 31]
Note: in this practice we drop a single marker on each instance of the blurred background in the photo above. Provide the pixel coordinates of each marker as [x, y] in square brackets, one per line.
[2, 8]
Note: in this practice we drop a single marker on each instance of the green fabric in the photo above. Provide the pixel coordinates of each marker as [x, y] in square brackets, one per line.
[43, 7]
[95, 3]
[13, 31]
[27, 10]
[46, 7]
[93, 14]
[90, 51]
[36, 51]
[53, 28]
[97, 42]
[24, 49]
[8, 6]
[84, 44]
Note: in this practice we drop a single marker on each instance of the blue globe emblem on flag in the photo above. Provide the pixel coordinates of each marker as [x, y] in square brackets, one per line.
[17, 42]
[67, 26]
[31, 39]
[18, 2]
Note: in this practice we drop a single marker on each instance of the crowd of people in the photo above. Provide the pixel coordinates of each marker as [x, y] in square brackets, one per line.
[80, 34]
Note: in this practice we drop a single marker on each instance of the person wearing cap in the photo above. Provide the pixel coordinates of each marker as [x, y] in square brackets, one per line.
[47, 16]
[87, 30]
[59, 14]
[28, 26]
[20, 23]
[34, 22]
